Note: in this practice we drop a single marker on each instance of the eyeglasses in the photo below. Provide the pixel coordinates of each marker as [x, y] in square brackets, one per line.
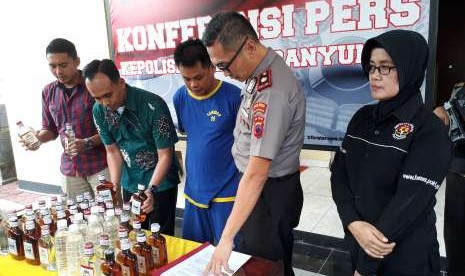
[383, 70]
[224, 66]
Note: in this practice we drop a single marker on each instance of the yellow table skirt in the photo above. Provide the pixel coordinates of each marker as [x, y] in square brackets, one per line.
[176, 247]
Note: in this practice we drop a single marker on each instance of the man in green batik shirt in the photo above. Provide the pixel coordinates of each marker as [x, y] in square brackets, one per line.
[139, 136]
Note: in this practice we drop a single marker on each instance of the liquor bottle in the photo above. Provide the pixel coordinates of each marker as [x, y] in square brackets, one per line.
[15, 240]
[52, 227]
[28, 135]
[60, 247]
[70, 137]
[124, 221]
[3, 238]
[122, 234]
[127, 259]
[137, 201]
[61, 215]
[31, 243]
[82, 225]
[47, 250]
[158, 243]
[105, 189]
[74, 248]
[90, 265]
[136, 229]
[64, 199]
[110, 226]
[109, 266]
[104, 243]
[143, 253]
[79, 200]
[94, 226]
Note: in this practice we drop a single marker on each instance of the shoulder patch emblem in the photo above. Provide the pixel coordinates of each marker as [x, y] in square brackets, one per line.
[259, 107]
[258, 126]
[264, 80]
[401, 130]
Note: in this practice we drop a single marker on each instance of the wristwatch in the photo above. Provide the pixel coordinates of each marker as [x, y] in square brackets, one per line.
[89, 143]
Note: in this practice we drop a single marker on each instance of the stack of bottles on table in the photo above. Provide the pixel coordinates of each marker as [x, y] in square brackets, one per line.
[86, 236]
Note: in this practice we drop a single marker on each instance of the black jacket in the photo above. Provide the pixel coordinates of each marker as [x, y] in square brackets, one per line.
[392, 161]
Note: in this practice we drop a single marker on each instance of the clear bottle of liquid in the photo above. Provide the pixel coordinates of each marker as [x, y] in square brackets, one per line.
[158, 243]
[136, 229]
[70, 137]
[109, 266]
[122, 234]
[89, 264]
[79, 220]
[15, 240]
[28, 135]
[31, 243]
[74, 243]
[3, 238]
[137, 201]
[47, 250]
[94, 226]
[60, 247]
[104, 245]
[110, 226]
[143, 253]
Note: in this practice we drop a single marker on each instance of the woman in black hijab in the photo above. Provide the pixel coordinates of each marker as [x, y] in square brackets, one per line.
[391, 163]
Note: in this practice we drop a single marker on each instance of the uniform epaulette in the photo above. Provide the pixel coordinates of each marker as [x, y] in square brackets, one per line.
[264, 80]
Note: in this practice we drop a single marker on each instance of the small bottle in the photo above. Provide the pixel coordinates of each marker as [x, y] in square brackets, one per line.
[31, 243]
[3, 238]
[143, 253]
[94, 226]
[61, 215]
[70, 137]
[127, 259]
[28, 135]
[158, 243]
[105, 189]
[122, 234]
[110, 226]
[52, 228]
[64, 199]
[82, 225]
[74, 248]
[124, 222]
[137, 201]
[47, 250]
[90, 265]
[60, 247]
[109, 266]
[69, 203]
[15, 240]
[104, 242]
[79, 200]
[136, 229]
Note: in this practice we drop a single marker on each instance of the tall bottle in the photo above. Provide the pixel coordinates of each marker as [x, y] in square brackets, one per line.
[31, 243]
[109, 266]
[28, 135]
[158, 243]
[47, 250]
[79, 220]
[105, 189]
[15, 240]
[60, 247]
[74, 248]
[90, 265]
[127, 259]
[137, 201]
[110, 226]
[94, 226]
[143, 253]
[70, 137]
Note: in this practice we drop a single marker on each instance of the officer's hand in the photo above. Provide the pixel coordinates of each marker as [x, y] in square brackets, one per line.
[147, 207]
[441, 112]
[76, 147]
[373, 242]
[220, 259]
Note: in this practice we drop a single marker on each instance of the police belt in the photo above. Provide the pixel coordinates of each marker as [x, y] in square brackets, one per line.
[284, 177]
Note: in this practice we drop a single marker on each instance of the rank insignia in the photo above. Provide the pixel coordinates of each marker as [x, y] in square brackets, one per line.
[259, 108]
[251, 85]
[264, 80]
[402, 130]
[258, 126]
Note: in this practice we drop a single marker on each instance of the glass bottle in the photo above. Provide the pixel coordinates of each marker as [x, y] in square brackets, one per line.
[143, 253]
[90, 265]
[105, 189]
[28, 135]
[52, 227]
[124, 221]
[127, 259]
[109, 266]
[104, 242]
[137, 201]
[31, 243]
[61, 215]
[158, 243]
[70, 137]
[3, 237]
[79, 200]
[47, 250]
[122, 234]
[136, 229]
[60, 247]
[15, 240]
[110, 226]
[74, 249]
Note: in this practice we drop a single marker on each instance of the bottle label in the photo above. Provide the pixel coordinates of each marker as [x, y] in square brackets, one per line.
[106, 195]
[29, 138]
[156, 254]
[141, 264]
[126, 270]
[28, 251]
[136, 207]
[87, 271]
[12, 247]
[43, 254]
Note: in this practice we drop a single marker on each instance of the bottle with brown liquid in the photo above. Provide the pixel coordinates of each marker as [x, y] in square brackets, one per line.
[15, 240]
[127, 259]
[143, 253]
[137, 201]
[158, 243]
[105, 189]
[31, 243]
[109, 266]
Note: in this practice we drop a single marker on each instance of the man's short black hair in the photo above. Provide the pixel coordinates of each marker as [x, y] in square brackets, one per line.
[191, 51]
[104, 66]
[229, 29]
[61, 45]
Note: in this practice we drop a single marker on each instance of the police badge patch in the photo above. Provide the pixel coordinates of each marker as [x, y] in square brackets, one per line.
[401, 130]
[258, 126]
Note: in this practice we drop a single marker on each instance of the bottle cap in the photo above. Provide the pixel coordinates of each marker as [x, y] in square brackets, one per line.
[141, 187]
[155, 227]
[104, 239]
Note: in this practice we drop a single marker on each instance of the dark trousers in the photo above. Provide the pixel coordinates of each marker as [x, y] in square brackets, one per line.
[267, 232]
[454, 224]
[164, 210]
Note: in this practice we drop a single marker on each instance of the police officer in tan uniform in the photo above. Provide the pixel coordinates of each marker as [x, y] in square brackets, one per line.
[268, 138]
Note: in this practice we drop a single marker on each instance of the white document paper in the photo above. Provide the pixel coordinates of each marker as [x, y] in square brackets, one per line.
[195, 264]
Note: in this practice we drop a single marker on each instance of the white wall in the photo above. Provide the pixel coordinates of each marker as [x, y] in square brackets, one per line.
[27, 28]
